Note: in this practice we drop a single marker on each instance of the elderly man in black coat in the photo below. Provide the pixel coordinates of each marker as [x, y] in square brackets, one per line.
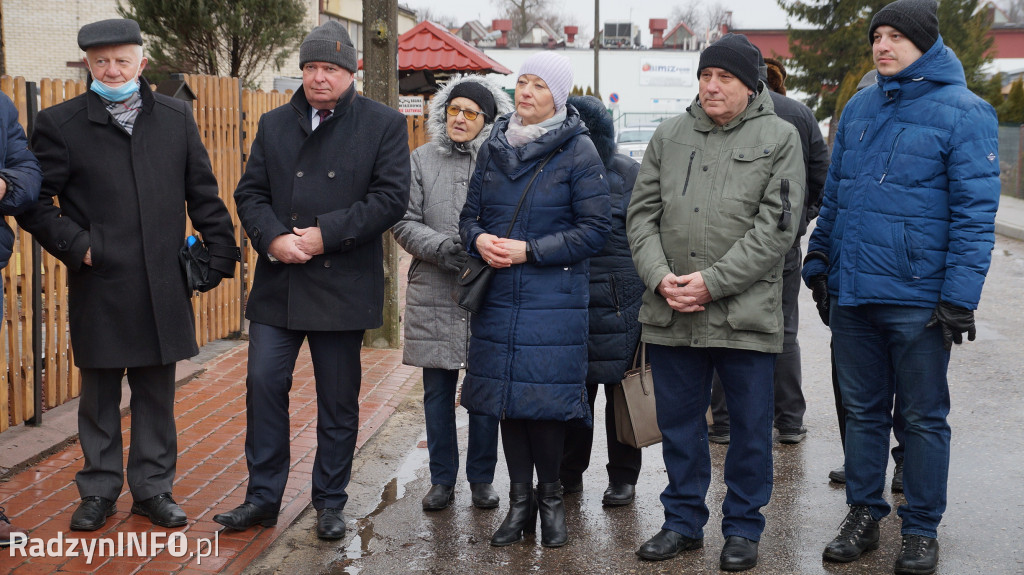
[127, 165]
[327, 176]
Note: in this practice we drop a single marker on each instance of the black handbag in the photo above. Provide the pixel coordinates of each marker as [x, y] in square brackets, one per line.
[470, 291]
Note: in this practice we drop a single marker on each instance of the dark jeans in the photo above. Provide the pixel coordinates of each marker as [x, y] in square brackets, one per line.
[532, 444]
[897, 417]
[682, 388]
[623, 460]
[879, 347]
[336, 368]
[790, 405]
[442, 439]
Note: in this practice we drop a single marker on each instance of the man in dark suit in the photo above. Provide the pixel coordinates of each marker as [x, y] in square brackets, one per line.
[126, 165]
[327, 176]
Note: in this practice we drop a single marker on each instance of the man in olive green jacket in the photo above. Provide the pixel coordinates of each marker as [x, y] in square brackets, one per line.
[715, 208]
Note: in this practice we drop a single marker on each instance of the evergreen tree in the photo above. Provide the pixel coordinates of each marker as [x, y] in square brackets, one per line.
[1012, 111]
[235, 37]
[993, 90]
[964, 28]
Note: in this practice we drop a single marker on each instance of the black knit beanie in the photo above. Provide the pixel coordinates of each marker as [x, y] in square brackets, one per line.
[915, 18]
[735, 54]
[478, 93]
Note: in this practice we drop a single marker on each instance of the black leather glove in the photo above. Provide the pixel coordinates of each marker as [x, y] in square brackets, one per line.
[954, 321]
[819, 291]
[213, 278]
[451, 256]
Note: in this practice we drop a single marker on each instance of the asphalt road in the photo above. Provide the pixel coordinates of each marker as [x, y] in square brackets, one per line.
[980, 533]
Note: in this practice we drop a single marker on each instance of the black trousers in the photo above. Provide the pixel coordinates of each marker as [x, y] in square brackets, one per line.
[623, 460]
[153, 452]
[336, 368]
[532, 444]
[790, 405]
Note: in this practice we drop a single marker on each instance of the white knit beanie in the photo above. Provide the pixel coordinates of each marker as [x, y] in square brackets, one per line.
[555, 70]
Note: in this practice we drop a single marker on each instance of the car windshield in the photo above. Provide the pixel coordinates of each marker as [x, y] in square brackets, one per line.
[635, 136]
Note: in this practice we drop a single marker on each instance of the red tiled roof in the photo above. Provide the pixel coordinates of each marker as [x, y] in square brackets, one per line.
[427, 46]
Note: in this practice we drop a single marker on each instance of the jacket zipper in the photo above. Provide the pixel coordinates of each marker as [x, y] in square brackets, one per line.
[688, 170]
[615, 295]
[892, 152]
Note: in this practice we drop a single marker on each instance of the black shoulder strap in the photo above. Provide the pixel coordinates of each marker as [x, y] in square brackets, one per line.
[540, 169]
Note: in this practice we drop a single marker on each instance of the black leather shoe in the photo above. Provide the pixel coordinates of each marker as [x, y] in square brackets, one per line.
[439, 497]
[666, 545]
[330, 523]
[161, 510]
[897, 478]
[570, 487]
[919, 555]
[618, 494]
[838, 475]
[857, 534]
[738, 554]
[719, 437]
[551, 508]
[791, 436]
[521, 518]
[245, 516]
[484, 496]
[92, 513]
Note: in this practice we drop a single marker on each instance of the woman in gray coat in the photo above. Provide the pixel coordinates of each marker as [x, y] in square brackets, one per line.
[436, 330]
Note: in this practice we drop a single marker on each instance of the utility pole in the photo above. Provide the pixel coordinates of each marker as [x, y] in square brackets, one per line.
[380, 83]
[597, 49]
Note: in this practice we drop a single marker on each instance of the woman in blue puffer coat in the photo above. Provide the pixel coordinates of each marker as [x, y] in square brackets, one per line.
[528, 348]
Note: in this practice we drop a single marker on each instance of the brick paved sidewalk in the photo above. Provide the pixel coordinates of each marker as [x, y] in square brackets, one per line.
[211, 477]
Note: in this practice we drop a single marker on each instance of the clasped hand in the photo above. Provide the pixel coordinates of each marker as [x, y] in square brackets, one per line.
[685, 294]
[500, 252]
[297, 247]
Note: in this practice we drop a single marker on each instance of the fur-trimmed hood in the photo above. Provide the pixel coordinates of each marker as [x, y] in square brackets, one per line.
[437, 124]
[599, 122]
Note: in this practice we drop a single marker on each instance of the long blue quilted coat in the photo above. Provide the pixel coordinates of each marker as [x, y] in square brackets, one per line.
[911, 196]
[528, 348]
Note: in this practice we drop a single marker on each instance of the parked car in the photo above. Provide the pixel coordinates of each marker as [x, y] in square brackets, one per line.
[632, 140]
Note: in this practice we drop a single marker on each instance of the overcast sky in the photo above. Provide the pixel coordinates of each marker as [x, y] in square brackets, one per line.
[745, 13]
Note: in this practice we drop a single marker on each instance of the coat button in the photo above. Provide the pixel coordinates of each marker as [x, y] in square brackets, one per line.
[255, 232]
[693, 254]
[705, 168]
[327, 264]
[298, 174]
[741, 155]
[766, 150]
[295, 217]
[62, 244]
[349, 242]
[330, 174]
[696, 209]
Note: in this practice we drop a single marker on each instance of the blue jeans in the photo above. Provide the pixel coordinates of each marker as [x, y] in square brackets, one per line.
[442, 441]
[880, 348]
[682, 388]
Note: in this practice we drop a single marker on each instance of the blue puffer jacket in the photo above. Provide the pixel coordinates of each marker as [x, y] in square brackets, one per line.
[528, 348]
[21, 171]
[910, 202]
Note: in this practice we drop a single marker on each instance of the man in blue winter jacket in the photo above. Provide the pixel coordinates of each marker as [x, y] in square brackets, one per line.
[897, 262]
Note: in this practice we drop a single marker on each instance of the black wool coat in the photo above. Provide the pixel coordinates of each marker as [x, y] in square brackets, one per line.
[126, 198]
[350, 177]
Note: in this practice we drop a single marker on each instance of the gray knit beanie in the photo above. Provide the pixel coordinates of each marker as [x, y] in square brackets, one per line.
[329, 42]
[915, 18]
[735, 54]
[555, 70]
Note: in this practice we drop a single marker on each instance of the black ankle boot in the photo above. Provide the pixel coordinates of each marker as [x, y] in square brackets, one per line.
[553, 532]
[521, 518]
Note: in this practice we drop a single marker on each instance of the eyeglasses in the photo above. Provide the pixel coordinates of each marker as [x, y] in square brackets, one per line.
[469, 114]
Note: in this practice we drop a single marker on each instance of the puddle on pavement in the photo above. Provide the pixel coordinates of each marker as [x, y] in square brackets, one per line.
[359, 547]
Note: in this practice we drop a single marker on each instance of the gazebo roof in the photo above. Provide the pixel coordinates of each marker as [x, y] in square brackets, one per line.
[430, 47]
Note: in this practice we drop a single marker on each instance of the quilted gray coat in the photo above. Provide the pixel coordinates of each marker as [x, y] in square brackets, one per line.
[436, 330]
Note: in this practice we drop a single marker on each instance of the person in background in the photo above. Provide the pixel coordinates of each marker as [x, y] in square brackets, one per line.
[615, 295]
[462, 114]
[20, 179]
[124, 169]
[528, 345]
[327, 176]
[899, 258]
[715, 208]
[788, 395]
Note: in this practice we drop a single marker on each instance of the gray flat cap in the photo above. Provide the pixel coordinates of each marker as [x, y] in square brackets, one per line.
[109, 32]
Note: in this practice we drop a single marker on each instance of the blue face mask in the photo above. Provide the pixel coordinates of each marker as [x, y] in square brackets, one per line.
[115, 93]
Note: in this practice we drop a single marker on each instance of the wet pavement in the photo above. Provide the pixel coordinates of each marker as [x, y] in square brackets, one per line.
[980, 533]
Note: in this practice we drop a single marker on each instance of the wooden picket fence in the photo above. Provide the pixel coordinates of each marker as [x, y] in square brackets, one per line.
[227, 117]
